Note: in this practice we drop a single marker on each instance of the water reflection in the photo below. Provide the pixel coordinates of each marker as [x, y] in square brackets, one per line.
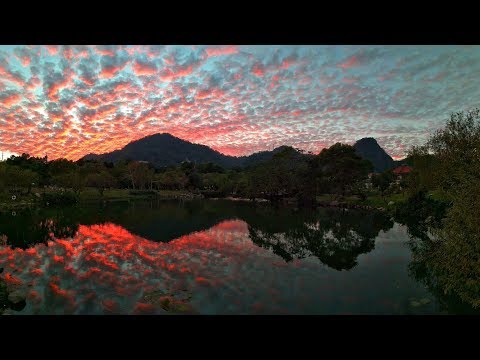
[335, 237]
[25, 228]
[205, 257]
[428, 269]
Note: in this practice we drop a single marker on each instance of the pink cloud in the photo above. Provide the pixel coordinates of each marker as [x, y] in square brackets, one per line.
[227, 50]
[258, 70]
[141, 69]
[11, 100]
[349, 63]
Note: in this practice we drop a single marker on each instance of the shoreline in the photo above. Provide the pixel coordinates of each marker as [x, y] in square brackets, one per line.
[173, 195]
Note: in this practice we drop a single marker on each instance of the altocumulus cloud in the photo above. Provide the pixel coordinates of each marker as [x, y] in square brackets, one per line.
[67, 101]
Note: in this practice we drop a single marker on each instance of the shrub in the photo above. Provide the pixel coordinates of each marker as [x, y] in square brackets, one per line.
[59, 198]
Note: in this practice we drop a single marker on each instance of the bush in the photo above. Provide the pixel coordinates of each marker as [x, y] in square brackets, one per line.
[419, 207]
[59, 198]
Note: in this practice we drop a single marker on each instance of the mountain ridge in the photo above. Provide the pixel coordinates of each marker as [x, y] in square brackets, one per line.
[164, 149]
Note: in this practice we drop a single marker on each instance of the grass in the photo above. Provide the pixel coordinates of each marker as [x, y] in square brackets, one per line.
[91, 194]
[437, 195]
[86, 195]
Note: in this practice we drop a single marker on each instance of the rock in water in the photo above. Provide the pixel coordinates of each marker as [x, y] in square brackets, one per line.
[17, 296]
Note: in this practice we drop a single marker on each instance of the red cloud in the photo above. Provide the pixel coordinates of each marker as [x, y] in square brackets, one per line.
[52, 49]
[144, 69]
[55, 87]
[110, 71]
[287, 63]
[104, 52]
[169, 74]
[89, 82]
[25, 60]
[67, 53]
[215, 93]
[349, 63]
[11, 100]
[7, 75]
[258, 70]
[227, 50]
[122, 86]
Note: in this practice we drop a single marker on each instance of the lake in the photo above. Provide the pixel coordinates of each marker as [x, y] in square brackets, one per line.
[211, 257]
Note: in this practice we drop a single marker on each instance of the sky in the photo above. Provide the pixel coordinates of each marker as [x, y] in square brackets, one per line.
[68, 101]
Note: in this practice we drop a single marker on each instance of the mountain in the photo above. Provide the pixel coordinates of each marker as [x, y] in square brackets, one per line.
[369, 149]
[164, 149]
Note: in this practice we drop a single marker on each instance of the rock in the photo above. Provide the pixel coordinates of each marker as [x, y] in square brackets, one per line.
[415, 303]
[391, 203]
[38, 195]
[173, 302]
[17, 296]
[18, 306]
[334, 203]
[424, 301]
[8, 312]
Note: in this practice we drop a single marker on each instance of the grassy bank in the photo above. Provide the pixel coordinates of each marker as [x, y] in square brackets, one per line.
[34, 199]
[127, 194]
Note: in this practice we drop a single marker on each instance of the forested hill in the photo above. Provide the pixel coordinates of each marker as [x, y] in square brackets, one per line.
[164, 149]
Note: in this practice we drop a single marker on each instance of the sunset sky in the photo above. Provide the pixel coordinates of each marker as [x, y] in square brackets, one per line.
[68, 101]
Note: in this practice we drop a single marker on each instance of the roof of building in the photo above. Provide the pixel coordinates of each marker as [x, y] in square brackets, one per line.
[403, 169]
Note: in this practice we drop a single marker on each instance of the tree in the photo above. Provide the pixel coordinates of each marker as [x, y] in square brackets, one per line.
[342, 168]
[72, 180]
[100, 181]
[383, 182]
[17, 177]
[451, 163]
[140, 174]
[173, 179]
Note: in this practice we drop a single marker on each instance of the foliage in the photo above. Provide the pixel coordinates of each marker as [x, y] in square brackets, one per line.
[100, 181]
[72, 180]
[59, 198]
[449, 163]
[383, 182]
[342, 168]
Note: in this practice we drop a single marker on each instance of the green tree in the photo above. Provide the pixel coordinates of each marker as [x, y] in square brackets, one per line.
[140, 174]
[383, 182]
[100, 181]
[16, 177]
[73, 180]
[341, 168]
[451, 163]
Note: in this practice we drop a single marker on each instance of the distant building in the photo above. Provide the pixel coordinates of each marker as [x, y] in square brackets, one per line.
[402, 170]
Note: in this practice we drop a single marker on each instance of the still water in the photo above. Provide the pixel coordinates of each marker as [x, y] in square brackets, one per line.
[210, 257]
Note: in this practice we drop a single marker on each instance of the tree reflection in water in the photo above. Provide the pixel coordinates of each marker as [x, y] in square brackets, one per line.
[335, 237]
[117, 258]
[27, 227]
[428, 265]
